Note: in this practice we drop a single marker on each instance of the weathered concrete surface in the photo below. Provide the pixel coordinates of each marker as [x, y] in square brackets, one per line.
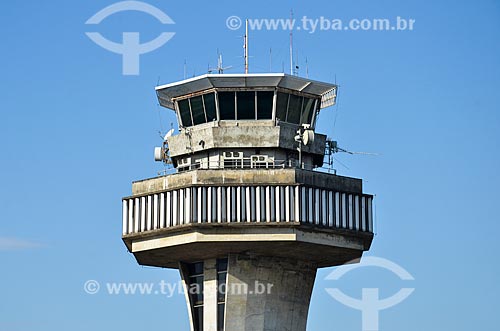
[240, 136]
[283, 306]
[198, 242]
[215, 177]
[210, 295]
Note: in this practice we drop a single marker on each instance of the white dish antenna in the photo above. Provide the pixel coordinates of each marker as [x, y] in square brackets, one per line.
[159, 154]
[308, 137]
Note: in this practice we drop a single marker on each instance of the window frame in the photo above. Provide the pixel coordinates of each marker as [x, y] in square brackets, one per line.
[198, 305]
[221, 303]
[303, 97]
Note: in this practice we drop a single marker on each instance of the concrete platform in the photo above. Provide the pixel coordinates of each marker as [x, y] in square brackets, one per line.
[197, 242]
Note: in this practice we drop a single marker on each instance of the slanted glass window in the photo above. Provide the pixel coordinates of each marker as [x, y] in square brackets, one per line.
[264, 105]
[221, 292]
[195, 290]
[185, 112]
[294, 109]
[226, 105]
[307, 111]
[246, 105]
[195, 269]
[198, 318]
[209, 101]
[281, 106]
[197, 110]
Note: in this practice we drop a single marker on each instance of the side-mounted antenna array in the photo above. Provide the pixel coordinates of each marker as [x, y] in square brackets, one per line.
[332, 147]
[162, 153]
[304, 136]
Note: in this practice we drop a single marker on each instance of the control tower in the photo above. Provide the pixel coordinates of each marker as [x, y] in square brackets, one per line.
[247, 218]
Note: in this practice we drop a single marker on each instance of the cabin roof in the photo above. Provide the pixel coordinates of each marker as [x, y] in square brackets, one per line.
[166, 93]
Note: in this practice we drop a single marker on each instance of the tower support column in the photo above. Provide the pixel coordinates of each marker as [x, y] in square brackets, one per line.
[210, 295]
[268, 293]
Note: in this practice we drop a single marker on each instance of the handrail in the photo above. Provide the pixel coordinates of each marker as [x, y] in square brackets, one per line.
[248, 204]
[245, 163]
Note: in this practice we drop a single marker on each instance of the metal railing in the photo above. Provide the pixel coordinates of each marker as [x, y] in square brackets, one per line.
[248, 204]
[245, 163]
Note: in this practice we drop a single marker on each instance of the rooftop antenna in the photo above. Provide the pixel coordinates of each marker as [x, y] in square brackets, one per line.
[291, 42]
[245, 46]
[185, 74]
[296, 72]
[270, 59]
[307, 69]
[220, 68]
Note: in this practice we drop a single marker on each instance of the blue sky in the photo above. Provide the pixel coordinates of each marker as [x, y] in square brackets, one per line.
[75, 133]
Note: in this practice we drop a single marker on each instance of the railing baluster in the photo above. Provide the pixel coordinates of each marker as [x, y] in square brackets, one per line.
[271, 204]
[124, 217]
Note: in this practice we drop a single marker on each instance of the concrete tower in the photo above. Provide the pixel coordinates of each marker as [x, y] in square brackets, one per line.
[246, 218]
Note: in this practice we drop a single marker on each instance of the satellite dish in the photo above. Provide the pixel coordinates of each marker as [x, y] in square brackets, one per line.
[308, 137]
[159, 154]
[169, 133]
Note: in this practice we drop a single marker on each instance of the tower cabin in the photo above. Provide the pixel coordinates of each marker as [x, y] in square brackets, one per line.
[245, 121]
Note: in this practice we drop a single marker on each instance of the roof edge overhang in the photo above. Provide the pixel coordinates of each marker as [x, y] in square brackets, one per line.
[168, 92]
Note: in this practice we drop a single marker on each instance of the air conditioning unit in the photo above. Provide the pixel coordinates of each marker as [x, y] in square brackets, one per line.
[261, 161]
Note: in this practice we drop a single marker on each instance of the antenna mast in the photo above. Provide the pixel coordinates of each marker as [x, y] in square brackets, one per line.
[307, 69]
[291, 42]
[270, 60]
[245, 46]
[220, 67]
